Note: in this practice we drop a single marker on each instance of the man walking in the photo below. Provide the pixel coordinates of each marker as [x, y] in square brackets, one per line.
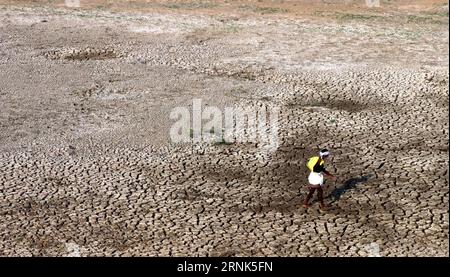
[316, 165]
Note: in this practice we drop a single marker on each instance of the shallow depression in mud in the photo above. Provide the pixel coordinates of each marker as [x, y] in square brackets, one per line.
[84, 54]
[343, 105]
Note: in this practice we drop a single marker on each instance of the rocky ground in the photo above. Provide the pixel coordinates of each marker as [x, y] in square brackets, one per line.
[88, 168]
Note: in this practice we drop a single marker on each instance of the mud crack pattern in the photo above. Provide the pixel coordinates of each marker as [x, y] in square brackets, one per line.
[87, 167]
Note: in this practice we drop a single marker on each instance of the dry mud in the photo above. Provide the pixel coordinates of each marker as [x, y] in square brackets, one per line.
[86, 161]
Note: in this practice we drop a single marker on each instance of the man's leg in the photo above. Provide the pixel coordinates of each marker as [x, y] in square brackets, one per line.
[320, 196]
[309, 196]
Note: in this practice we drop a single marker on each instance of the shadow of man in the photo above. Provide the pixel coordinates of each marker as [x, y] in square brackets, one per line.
[350, 184]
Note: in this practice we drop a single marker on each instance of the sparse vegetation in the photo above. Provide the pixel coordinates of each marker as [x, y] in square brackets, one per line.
[268, 10]
[205, 34]
[352, 16]
[262, 10]
[424, 20]
[223, 142]
[190, 5]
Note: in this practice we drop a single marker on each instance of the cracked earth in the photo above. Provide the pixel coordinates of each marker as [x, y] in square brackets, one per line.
[87, 165]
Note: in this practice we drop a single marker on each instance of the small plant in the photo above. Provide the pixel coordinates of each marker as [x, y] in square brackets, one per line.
[320, 13]
[223, 142]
